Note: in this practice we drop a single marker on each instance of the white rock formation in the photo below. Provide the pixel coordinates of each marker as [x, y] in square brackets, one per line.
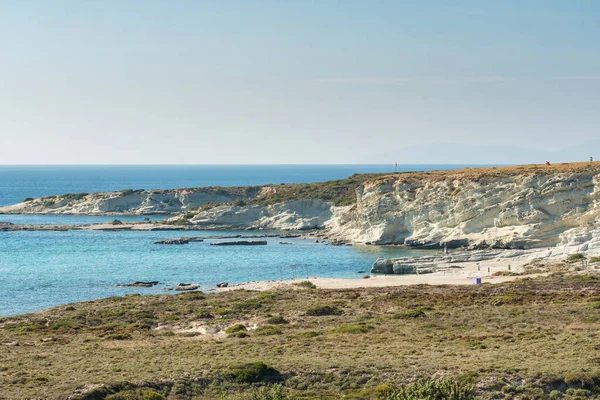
[291, 215]
[135, 203]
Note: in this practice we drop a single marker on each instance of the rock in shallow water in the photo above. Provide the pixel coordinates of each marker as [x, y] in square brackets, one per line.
[139, 284]
[174, 241]
[241, 243]
[187, 286]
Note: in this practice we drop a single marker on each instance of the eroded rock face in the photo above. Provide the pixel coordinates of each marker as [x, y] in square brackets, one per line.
[131, 202]
[291, 215]
[521, 211]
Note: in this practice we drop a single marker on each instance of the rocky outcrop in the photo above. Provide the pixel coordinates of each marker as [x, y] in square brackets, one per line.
[429, 263]
[290, 215]
[187, 286]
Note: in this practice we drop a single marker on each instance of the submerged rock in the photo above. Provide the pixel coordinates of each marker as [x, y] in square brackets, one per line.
[240, 243]
[175, 241]
[139, 284]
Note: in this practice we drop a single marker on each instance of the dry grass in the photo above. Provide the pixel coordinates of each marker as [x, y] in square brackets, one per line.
[514, 340]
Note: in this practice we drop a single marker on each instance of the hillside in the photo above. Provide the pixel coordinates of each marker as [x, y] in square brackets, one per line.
[528, 338]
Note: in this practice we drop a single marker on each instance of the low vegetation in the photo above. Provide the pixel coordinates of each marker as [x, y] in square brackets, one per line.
[534, 338]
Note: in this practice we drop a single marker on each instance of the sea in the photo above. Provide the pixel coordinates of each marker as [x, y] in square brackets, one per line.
[42, 269]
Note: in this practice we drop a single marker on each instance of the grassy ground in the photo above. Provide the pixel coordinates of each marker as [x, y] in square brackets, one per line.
[529, 339]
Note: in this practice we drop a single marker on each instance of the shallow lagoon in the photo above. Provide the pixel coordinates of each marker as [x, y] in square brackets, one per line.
[40, 269]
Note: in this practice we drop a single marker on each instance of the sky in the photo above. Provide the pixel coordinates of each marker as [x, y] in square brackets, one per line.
[294, 82]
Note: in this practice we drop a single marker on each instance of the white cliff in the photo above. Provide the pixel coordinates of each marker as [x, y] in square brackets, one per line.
[498, 208]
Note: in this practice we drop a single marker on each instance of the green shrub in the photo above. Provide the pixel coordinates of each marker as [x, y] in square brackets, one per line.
[239, 203]
[416, 313]
[27, 199]
[235, 329]
[575, 257]
[179, 221]
[323, 310]
[595, 259]
[119, 336]
[48, 203]
[443, 389]
[277, 321]
[66, 324]
[126, 192]
[136, 395]
[267, 331]
[73, 196]
[556, 394]
[308, 334]
[306, 284]
[116, 222]
[254, 372]
[353, 329]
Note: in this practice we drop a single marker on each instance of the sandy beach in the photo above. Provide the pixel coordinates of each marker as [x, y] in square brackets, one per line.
[451, 276]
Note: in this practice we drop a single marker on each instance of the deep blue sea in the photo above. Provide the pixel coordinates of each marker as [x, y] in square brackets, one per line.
[40, 269]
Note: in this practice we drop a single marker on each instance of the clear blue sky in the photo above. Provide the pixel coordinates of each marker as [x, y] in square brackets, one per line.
[298, 81]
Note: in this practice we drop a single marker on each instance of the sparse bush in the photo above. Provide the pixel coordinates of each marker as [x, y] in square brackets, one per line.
[308, 334]
[323, 310]
[27, 199]
[277, 321]
[575, 257]
[444, 389]
[126, 192]
[306, 284]
[66, 325]
[136, 395]
[236, 329]
[267, 331]
[353, 329]
[254, 372]
[119, 336]
[48, 203]
[179, 221]
[239, 203]
[116, 222]
[416, 313]
[73, 196]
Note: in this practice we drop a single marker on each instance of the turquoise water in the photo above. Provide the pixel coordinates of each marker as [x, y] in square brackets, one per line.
[43, 219]
[44, 268]
[47, 268]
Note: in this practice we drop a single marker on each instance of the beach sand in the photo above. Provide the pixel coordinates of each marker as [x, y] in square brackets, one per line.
[454, 276]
